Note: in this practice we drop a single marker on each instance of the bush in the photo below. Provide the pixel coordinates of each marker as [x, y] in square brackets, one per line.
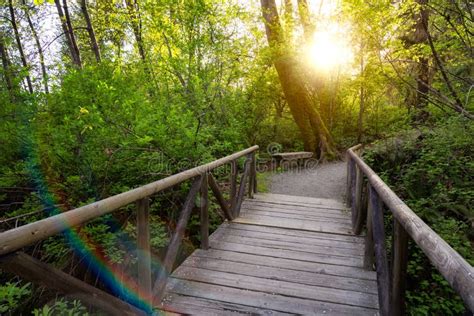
[432, 170]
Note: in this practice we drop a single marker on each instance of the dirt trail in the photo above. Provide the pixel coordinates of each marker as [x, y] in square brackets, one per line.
[325, 181]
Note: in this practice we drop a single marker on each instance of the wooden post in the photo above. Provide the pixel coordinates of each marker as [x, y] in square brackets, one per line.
[175, 243]
[250, 157]
[399, 268]
[254, 167]
[369, 239]
[42, 273]
[233, 184]
[356, 190]
[383, 278]
[359, 209]
[348, 181]
[143, 249]
[204, 214]
[220, 199]
[240, 196]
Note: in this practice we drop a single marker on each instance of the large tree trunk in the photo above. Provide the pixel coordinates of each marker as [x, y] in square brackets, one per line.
[71, 34]
[90, 30]
[20, 46]
[423, 76]
[38, 46]
[76, 59]
[313, 130]
[6, 69]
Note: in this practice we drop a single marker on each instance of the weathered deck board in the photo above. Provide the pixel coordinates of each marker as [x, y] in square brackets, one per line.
[283, 255]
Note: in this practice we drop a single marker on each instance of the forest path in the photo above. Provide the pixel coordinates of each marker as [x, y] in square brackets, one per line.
[326, 181]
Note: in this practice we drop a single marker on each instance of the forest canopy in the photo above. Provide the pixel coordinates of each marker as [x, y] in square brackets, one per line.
[99, 97]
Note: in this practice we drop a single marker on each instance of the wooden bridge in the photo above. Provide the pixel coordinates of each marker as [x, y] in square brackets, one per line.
[274, 254]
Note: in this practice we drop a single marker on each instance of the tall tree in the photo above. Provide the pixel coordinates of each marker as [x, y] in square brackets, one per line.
[6, 68]
[305, 18]
[90, 30]
[313, 130]
[71, 33]
[423, 75]
[70, 40]
[136, 20]
[19, 44]
[38, 46]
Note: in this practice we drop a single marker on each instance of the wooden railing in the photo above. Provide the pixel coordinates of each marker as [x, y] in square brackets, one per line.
[29, 268]
[367, 208]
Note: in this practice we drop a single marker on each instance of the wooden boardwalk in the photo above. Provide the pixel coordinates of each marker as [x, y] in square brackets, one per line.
[282, 255]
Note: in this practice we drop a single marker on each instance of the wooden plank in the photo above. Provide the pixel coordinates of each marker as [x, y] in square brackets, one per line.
[383, 278]
[316, 218]
[399, 269]
[39, 272]
[281, 274]
[257, 299]
[300, 200]
[291, 264]
[296, 209]
[285, 288]
[172, 251]
[287, 254]
[190, 305]
[299, 205]
[296, 233]
[226, 236]
[204, 214]
[143, 250]
[303, 241]
[325, 227]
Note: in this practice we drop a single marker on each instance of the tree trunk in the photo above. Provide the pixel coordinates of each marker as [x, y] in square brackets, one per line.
[312, 127]
[423, 76]
[134, 11]
[362, 96]
[308, 27]
[38, 46]
[71, 34]
[6, 69]
[75, 60]
[90, 30]
[20, 46]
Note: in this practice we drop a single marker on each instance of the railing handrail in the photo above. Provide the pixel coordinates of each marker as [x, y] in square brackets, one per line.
[454, 268]
[15, 239]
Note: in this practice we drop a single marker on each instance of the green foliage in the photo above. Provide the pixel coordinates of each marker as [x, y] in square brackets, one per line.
[12, 296]
[62, 307]
[431, 170]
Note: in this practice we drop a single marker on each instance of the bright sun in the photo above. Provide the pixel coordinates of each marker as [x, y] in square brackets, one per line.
[329, 49]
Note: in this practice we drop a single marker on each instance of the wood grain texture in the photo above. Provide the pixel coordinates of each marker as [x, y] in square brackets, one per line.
[278, 257]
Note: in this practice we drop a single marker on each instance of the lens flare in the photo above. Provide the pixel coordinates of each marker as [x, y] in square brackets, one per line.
[329, 49]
